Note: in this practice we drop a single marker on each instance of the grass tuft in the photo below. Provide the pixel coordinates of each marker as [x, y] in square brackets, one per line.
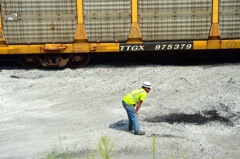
[154, 144]
[105, 147]
[61, 152]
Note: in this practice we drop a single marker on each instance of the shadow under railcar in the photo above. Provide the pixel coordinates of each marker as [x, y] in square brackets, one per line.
[185, 58]
[171, 58]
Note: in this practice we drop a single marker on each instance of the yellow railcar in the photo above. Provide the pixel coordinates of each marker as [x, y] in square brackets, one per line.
[57, 32]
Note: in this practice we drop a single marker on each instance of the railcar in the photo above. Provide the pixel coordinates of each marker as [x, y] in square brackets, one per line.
[57, 32]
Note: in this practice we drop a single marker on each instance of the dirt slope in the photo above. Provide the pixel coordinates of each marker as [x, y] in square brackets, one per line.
[192, 110]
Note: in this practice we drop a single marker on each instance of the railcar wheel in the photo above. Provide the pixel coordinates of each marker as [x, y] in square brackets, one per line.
[79, 60]
[30, 61]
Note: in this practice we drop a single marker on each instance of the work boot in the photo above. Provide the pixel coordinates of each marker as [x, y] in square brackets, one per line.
[139, 133]
[131, 128]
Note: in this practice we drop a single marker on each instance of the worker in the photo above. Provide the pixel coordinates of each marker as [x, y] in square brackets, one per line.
[135, 98]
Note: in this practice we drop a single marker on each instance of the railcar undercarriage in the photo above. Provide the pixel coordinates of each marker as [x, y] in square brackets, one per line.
[54, 60]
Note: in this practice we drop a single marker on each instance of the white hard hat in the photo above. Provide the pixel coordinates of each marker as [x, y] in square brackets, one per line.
[147, 84]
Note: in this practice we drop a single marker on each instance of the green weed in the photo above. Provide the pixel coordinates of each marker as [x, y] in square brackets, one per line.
[105, 147]
[61, 152]
[154, 146]
[105, 150]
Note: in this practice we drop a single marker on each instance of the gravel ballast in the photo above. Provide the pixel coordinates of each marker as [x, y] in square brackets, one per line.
[191, 110]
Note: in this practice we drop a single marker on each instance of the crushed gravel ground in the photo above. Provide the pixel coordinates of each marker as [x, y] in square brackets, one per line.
[192, 110]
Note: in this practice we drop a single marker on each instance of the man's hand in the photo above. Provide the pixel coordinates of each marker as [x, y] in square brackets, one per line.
[138, 107]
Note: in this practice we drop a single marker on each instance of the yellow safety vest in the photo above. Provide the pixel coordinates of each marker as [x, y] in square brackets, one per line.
[135, 96]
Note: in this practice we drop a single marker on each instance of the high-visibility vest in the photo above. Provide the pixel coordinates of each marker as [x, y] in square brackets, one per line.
[135, 96]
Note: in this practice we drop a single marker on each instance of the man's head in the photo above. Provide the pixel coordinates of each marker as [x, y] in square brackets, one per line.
[146, 86]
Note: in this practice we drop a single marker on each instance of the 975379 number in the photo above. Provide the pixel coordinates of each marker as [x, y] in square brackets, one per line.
[173, 47]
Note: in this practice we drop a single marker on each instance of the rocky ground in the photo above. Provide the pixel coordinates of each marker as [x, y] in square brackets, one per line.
[192, 109]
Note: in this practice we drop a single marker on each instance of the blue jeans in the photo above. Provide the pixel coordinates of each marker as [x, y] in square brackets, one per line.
[132, 117]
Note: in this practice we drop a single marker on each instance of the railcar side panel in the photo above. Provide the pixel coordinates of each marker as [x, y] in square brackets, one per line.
[107, 20]
[39, 21]
[174, 20]
[229, 19]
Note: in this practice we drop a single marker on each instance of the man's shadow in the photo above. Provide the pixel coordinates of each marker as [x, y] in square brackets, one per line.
[121, 125]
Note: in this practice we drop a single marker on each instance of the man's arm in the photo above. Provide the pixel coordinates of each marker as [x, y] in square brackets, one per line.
[138, 106]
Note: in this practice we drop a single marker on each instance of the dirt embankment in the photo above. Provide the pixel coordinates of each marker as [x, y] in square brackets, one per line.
[192, 110]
